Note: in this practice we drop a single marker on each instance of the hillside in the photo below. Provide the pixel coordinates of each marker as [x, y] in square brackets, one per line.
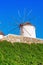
[21, 54]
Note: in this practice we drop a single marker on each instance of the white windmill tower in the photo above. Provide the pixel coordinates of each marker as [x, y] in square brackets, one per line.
[28, 30]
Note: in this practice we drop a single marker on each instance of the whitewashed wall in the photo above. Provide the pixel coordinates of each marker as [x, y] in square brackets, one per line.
[28, 31]
[1, 36]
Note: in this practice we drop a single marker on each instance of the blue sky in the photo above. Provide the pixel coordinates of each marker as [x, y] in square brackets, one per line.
[9, 17]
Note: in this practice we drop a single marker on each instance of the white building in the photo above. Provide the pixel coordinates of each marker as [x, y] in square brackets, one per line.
[28, 30]
[1, 35]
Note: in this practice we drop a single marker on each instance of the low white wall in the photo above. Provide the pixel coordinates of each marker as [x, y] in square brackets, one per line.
[16, 38]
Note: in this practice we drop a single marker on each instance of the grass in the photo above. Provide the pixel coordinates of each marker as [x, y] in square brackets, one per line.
[21, 54]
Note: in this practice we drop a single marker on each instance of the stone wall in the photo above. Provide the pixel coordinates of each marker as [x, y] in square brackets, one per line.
[22, 39]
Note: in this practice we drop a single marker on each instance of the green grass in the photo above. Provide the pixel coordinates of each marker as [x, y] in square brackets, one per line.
[21, 54]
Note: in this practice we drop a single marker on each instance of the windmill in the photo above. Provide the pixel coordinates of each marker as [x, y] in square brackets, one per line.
[1, 33]
[26, 29]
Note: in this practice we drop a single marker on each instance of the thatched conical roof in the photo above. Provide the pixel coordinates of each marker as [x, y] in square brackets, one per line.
[27, 23]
